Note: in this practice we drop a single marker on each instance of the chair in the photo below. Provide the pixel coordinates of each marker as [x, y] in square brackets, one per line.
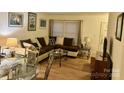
[45, 71]
[49, 65]
[27, 70]
[31, 65]
[14, 71]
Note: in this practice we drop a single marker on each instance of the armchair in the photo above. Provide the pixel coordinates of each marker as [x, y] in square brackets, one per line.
[27, 70]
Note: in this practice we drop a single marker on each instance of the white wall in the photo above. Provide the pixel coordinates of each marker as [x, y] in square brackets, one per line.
[90, 25]
[21, 32]
[117, 47]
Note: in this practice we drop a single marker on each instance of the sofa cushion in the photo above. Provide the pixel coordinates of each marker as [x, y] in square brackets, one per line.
[29, 46]
[42, 51]
[52, 40]
[60, 40]
[71, 48]
[41, 41]
[35, 44]
[46, 38]
[26, 41]
[58, 46]
[68, 41]
[45, 49]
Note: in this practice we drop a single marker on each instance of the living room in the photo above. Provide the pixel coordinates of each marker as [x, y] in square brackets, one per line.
[88, 27]
[92, 26]
[88, 71]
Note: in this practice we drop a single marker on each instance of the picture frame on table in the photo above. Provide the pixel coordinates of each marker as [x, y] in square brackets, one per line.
[43, 23]
[119, 26]
[15, 19]
[32, 18]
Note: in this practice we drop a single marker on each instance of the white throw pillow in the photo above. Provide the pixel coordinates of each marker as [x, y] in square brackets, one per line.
[46, 38]
[29, 46]
[60, 40]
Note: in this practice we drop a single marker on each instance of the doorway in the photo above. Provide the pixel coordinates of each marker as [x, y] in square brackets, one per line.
[102, 35]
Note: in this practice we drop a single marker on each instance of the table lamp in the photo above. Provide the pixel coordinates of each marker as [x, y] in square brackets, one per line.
[87, 40]
[12, 43]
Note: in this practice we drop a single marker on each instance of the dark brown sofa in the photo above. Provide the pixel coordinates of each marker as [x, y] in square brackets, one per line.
[67, 45]
[45, 49]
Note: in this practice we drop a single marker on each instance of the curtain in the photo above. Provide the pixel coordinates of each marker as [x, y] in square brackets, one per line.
[51, 22]
[79, 35]
[66, 28]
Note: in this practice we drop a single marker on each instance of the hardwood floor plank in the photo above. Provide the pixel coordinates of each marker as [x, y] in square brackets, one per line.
[71, 69]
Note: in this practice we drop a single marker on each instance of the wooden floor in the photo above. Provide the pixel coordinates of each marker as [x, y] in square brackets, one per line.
[71, 69]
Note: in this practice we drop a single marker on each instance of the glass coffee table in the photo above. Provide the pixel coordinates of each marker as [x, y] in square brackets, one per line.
[58, 54]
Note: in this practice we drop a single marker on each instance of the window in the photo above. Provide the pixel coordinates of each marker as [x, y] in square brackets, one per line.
[58, 28]
[68, 29]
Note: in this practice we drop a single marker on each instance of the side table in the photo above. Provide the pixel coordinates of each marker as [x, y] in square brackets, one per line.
[85, 51]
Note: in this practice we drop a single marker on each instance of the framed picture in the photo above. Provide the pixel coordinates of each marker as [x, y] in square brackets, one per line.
[119, 26]
[15, 19]
[32, 17]
[43, 23]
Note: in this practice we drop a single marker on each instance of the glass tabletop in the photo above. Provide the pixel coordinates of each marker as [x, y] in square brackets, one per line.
[7, 64]
[19, 68]
[59, 52]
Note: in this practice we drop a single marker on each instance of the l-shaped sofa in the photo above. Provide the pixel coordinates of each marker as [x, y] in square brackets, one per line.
[44, 49]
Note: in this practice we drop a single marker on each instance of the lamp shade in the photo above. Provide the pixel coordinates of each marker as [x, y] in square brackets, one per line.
[11, 42]
[87, 39]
